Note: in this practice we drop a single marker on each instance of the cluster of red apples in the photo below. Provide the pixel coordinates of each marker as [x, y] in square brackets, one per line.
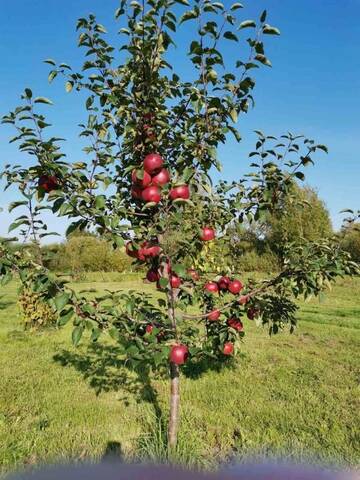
[48, 183]
[148, 182]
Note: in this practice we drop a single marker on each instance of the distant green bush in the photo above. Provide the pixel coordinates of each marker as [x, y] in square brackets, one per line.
[350, 241]
[255, 262]
[86, 253]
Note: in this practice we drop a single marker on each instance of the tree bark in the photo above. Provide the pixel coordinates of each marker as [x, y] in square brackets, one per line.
[174, 404]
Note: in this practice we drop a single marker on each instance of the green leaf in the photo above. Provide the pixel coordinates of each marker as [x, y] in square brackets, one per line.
[189, 15]
[100, 202]
[52, 75]
[114, 334]
[73, 226]
[100, 28]
[233, 114]
[236, 6]
[14, 205]
[50, 61]
[163, 282]
[61, 300]
[28, 93]
[231, 36]
[77, 334]
[300, 175]
[69, 86]
[65, 316]
[43, 100]
[263, 16]
[262, 59]
[323, 148]
[269, 30]
[179, 269]
[17, 224]
[247, 24]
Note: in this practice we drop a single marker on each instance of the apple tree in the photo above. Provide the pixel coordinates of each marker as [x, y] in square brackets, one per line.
[146, 185]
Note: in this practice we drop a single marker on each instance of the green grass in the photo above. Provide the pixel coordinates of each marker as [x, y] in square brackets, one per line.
[291, 395]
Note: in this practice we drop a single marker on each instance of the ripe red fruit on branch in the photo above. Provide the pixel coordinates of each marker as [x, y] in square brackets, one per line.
[161, 178]
[151, 194]
[236, 324]
[143, 182]
[243, 299]
[182, 191]
[148, 116]
[252, 313]
[207, 234]
[131, 250]
[211, 287]
[223, 283]
[48, 183]
[153, 163]
[175, 281]
[149, 250]
[149, 328]
[214, 315]
[193, 274]
[152, 275]
[136, 192]
[228, 348]
[179, 354]
[235, 286]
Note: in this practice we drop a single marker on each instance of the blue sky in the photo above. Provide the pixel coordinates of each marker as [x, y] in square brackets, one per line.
[313, 87]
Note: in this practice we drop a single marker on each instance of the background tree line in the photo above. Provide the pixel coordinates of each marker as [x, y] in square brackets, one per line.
[251, 249]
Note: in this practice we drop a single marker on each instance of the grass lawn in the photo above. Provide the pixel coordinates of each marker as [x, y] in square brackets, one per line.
[291, 395]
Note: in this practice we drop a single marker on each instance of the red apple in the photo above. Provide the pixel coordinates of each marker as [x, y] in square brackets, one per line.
[223, 283]
[149, 328]
[148, 116]
[151, 194]
[214, 315]
[131, 250]
[243, 299]
[136, 192]
[235, 286]
[182, 191]
[193, 274]
[211, 287]
[152, 275]
[153, 163]
[228, 348]
[48, 183]
[154, 251]
[161, 178]
[252, 313]
[207, 233]
[143, 182]
[140, 254]
[175, 281]
[150, 250]
[179, 354]
[236, 324]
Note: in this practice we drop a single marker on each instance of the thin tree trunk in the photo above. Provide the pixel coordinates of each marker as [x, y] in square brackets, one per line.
[174, 404]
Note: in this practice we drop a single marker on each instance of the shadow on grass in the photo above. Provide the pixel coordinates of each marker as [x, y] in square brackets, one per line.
[105, 371]
[195, 369]
[103, 367]
[4, 304]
